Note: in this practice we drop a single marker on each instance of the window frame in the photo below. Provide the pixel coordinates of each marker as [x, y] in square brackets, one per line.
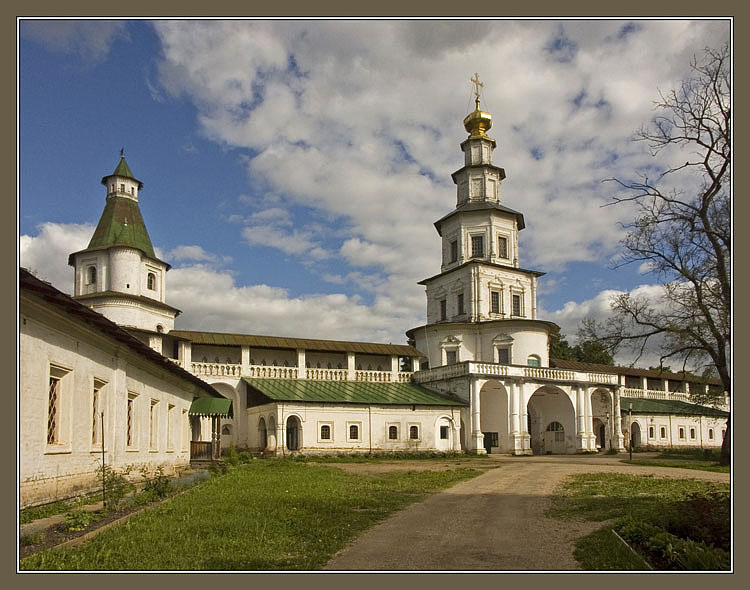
[474, 240]
[460, 308]
[131, 422]
[411, 428]
[443, 309]
[506, 349]
[389, 428]
[349, 426]
[503, 251]
[516, 312]
[495, 298]
[452, 251]
[321, 426]
[153, 426]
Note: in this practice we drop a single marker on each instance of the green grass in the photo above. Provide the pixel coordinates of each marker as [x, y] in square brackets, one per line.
[384, 456]
[685, 507]
[681, 464]
[60, 507]
[273, 514]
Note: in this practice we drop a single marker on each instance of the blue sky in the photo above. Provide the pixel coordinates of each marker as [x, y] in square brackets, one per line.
[293, 169]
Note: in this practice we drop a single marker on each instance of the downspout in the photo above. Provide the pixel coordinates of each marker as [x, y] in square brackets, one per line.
[369, 418]
[281, 435]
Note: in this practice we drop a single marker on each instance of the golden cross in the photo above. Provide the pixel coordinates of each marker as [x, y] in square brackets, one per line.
[477, 84]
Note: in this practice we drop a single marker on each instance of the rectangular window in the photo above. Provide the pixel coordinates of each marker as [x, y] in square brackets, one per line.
[444, 432]
[325, 432]
[517, 307]
[662, 432]
[353, 431]
[450, 357]
[130, 421]
[710, 434]
[443, 309]
[96, 412]
[477, 246]
[53, 411]
[502, 247]
[393, 432]
[414, 432]
[153, 435]
[460, 304]
[495, 302]
[454, 251]
[651, 432]
[681, 432]
[692, 433]
[170, 426]
[503, 356]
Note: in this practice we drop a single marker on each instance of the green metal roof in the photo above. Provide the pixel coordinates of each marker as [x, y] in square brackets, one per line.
[121, 224]
[349, 392]
[662, 406]
[224, 339]
[211, 406]
[123, 169]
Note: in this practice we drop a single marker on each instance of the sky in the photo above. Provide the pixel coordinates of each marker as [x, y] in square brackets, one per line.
[293, 169]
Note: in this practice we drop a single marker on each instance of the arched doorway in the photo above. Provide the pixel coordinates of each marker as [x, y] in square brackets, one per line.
[550, 407]
[600, 432]
[554, 438]
[635, 435]
[293, 433]
[602, 411]
[444, 434]
[262, 434]
[495, 417]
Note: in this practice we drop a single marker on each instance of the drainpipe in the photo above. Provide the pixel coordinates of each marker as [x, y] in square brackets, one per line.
[369, 419]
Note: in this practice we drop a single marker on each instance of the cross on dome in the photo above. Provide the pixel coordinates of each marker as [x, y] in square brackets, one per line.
[477, 86]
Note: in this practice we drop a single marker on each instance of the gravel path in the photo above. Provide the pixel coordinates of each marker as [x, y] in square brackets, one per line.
[493, 522]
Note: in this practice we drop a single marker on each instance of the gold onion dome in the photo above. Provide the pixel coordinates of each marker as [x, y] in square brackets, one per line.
[477, 123]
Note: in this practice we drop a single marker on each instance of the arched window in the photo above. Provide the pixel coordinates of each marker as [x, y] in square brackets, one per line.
[226, 430]
[325, 432]
[91, 275]
[413, 432]
[151, 281]
[558, 429]
[263, 434]
[353, 432]
[392, 433]
[710, 434]
[160, 328]
[534, 361]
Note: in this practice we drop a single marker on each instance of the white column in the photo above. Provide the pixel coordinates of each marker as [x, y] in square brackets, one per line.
[589, 420]
[184, 354]
[351, 366]
[301, 371]
[580, 419]
[415, 364]
[515, 402]
[617, 420]
[476, 444]
[394, 368]
[245, 356]
[523, 419]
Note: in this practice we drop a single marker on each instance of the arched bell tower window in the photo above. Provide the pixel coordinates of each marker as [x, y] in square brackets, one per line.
[91, 275]
[151, 281]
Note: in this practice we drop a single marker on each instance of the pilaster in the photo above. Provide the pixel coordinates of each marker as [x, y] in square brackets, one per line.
[618, 438]
[301, 367]
[476, 442]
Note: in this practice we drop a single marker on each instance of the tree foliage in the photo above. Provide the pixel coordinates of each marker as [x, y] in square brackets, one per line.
[682, 229]
[586, 351]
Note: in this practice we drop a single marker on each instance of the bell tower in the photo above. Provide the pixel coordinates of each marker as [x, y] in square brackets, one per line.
[118, 274]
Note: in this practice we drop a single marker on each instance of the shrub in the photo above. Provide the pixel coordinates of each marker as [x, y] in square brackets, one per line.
[116, 485]
[611, 451]
[77, 520]
[159, 485]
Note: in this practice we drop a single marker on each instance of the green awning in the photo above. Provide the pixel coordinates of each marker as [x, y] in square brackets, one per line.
[263, 391]
[663, 406]
[211, 406]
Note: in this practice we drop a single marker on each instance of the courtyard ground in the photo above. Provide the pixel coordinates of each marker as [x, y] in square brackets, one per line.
[493, 522]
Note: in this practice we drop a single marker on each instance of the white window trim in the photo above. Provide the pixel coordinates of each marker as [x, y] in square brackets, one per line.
[419, 431]
[520, 293]
[683, 428]
[64, 422]
[134, 422]
[320, 426]
[100, 385]
[509, 255]
[359, 431]
[482, 235]
[398, 432]
[153, 426]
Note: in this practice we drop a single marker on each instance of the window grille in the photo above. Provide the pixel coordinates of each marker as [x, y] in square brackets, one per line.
[517, 309]
[460, 303]
[502, 247]
[454, 251]
[503, 356]
[353, 432]
[392, 433]
[443, 309]
[450, 357]
[325, 432]
[130, 421]
[413, 432]
[495, 302]
[52, 410]
[151, 281]
[477, 246]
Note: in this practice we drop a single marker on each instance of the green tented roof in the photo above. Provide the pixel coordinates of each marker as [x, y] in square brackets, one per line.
[121, 224]
[211, 406]
[348, 392]
[662, 406]
[123, 169]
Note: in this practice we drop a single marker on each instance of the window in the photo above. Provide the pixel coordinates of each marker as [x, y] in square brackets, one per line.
[152, 419]
[692, 433]
[651, 432]
[502, 247]
[96, 412]
[503, 356]
[710, 434]
[495, 302]
[662, 432]
[450, 357]
[353, 432]
[517, 307]
[444, 432]
[477, 246]
[443, 309]
[122, 188]
[558, 429]
[393, 432]
[170, 426]
[681, 432]
[534, 361]
[130, 420]
[151, 281]
[325, 432]
[91, 275]
[460, 304]
[414, 432]
[226, 430]
[454, 251]
[53, 411]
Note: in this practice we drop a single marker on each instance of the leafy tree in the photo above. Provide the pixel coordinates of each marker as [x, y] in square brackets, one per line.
[682, 229]
[586, 351]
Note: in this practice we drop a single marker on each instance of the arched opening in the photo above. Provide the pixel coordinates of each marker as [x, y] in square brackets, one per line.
[495, 416]
[635, 435]
[601, 412]
[600, 433]
[293, 433]
[262, 434]
[151, 282]
[550, 405]
[271, 442]
[444, 434]
[91, 275]
[226, 436]
[534, 360]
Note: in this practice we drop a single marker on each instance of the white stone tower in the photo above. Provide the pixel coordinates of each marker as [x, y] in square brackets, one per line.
[482, 304]
[118, 274]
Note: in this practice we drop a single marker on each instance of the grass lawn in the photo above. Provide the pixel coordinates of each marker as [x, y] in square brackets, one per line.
[681, 463]
[676, 509]
[266, 515]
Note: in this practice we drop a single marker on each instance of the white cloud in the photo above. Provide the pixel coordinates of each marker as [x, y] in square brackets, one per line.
[46, 253]
[195, 253]
[91, 40]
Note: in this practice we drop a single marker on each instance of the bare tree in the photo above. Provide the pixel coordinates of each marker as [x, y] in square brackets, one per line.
[682, 229]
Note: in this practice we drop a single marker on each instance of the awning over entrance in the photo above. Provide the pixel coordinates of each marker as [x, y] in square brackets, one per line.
[211, 406]
[262, 391]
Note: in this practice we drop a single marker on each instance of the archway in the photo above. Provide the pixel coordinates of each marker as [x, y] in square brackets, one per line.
[293, 433]
[271, 434]
[551, 421]
[635, 435]
[601, 412]
[600, 432]
[444, 434]
[262, 434]
[233, 436]
[495, 417]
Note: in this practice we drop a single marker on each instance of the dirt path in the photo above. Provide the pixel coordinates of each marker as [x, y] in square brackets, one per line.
[493, 522]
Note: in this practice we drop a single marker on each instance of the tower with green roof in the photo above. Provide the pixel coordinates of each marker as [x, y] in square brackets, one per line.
[118, 273]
